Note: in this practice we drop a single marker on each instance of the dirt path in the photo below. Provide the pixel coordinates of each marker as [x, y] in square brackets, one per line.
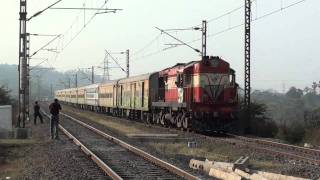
[42, 158]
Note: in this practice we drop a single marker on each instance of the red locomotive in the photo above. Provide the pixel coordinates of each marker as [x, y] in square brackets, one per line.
[199, 95]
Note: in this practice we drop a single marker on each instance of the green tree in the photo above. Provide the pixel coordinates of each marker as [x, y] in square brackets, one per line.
[259, 123]
[294, 93]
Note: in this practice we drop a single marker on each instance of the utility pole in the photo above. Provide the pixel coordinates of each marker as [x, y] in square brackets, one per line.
[128, 64]
[247, 86]
[69, 82]
[92, 75]
[22, 62]
[39, 92]
[106, 73]
[28, 77]
[247, 56]
[76, 80]
[51, 91]
[204, 39]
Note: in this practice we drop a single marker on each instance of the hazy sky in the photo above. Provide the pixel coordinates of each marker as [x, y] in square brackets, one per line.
[285, 46]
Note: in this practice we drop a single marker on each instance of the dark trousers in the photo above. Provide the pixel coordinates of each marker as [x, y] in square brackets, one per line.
[54, 126]
[35, 118]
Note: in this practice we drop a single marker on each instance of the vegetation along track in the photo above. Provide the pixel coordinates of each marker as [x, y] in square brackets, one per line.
[281, 150]
[117, 158]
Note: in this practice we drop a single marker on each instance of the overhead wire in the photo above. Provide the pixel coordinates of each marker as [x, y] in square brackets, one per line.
[64, 46]
[147, 45]
[239, 25]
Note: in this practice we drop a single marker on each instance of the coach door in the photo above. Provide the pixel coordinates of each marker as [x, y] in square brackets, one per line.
[114, 94]
[134, 94]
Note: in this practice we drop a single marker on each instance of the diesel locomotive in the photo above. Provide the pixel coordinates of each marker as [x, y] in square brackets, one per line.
[195, 95]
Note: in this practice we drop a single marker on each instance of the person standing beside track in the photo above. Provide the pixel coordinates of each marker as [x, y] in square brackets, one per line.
[36, 109]
[55, 108]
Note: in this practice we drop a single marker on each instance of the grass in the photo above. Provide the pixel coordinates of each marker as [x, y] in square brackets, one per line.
[121, 126]
[11, 156]
[312, 136]
[264, 165]
[217, 153]
[16, 142]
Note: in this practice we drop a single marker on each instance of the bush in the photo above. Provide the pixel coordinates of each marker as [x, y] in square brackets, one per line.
[259, 123]
[293, 133]
[312, 136]
[5, 98]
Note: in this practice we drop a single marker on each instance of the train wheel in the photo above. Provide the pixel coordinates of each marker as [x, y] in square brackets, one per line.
[186, 123]
[154, 118]
[179, 121]
[162, 120]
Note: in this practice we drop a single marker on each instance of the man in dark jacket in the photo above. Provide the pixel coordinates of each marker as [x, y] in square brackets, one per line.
[55, 108]
[36, 109]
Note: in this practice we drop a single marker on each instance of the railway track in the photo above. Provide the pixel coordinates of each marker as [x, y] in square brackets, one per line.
[297, 153]
[116, 158]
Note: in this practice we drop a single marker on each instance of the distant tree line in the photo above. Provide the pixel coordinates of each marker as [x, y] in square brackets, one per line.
[5, 98]
[292, 116]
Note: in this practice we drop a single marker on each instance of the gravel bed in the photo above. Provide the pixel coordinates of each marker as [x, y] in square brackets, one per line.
[260, 161]
[182, 163]
[57, 159]
[123, 162]
[279, 164]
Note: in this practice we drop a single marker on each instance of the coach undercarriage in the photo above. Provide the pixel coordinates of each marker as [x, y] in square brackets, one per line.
[168, 117]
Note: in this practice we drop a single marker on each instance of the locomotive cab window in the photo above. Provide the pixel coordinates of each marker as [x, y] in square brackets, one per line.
[179, 80]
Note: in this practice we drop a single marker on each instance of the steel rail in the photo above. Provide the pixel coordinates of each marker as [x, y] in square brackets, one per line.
[138, 151]
[268, 142]
[88, 152]
[271, 151]
[284, 146]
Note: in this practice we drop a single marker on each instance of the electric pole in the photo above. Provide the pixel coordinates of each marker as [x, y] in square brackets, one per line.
[204, 39]
[128, 65]
[106, 73]
[92, 75]
[28, 77]
[69, 82]
[51, 91]
[247, 86]
[76, 80]
[38, 83]
[247, 56]
[22, 62]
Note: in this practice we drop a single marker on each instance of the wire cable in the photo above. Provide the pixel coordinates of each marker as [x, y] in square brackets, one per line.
[226, 29]
[147, 45]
